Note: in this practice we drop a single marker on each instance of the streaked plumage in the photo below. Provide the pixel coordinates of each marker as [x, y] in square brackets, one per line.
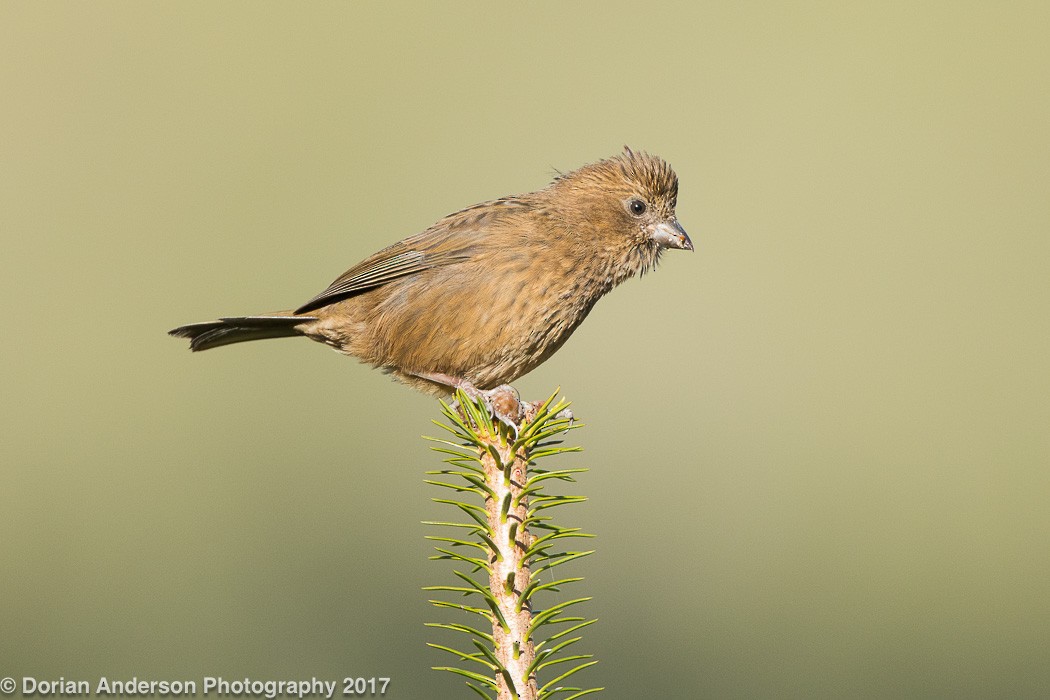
[487, 293]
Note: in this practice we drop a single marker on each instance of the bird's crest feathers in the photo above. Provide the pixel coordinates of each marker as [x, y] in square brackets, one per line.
[651, 172]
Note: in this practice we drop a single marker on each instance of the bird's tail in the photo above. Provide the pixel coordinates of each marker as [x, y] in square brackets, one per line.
[226, 331]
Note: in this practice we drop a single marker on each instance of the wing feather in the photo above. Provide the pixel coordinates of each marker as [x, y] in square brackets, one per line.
[457, 238]
[409, 257]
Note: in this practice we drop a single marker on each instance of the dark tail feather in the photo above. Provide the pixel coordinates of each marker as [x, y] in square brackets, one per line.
[226, 331]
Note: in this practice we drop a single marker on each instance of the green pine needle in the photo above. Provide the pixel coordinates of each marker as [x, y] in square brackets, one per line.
[566, 675]
[465, 629]
[479, 691]
[477, 658]
[469, 674]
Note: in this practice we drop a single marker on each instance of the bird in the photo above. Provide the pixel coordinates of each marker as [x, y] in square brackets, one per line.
[488, 293]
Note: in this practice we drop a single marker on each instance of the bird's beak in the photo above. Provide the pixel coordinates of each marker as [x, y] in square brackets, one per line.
[670, 234]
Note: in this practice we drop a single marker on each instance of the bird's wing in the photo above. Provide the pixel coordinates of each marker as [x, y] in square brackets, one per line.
[408, 257]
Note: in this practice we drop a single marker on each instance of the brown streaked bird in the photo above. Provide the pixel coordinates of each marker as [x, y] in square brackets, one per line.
[488, 293]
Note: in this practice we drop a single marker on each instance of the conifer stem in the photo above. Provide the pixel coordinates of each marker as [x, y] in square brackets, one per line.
[510, 575]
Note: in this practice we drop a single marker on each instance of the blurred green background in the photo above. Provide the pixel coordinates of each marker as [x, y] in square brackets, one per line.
[819, 445]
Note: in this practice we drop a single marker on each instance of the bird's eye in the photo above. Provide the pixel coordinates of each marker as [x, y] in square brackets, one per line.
[637, 207]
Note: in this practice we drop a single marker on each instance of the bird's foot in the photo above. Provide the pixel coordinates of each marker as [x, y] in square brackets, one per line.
[503, 402]
[506, 405]
[532, 409]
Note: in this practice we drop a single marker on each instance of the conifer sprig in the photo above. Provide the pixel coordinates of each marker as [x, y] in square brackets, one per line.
[492, 480]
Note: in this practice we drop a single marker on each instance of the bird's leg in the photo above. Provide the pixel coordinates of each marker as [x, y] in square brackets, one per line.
[503, 401]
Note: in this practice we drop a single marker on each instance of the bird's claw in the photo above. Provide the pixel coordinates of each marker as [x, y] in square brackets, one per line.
[532, 409]
[503, 403]
[566, 414]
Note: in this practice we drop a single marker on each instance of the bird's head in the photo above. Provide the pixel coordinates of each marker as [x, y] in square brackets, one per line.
[626, 206]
